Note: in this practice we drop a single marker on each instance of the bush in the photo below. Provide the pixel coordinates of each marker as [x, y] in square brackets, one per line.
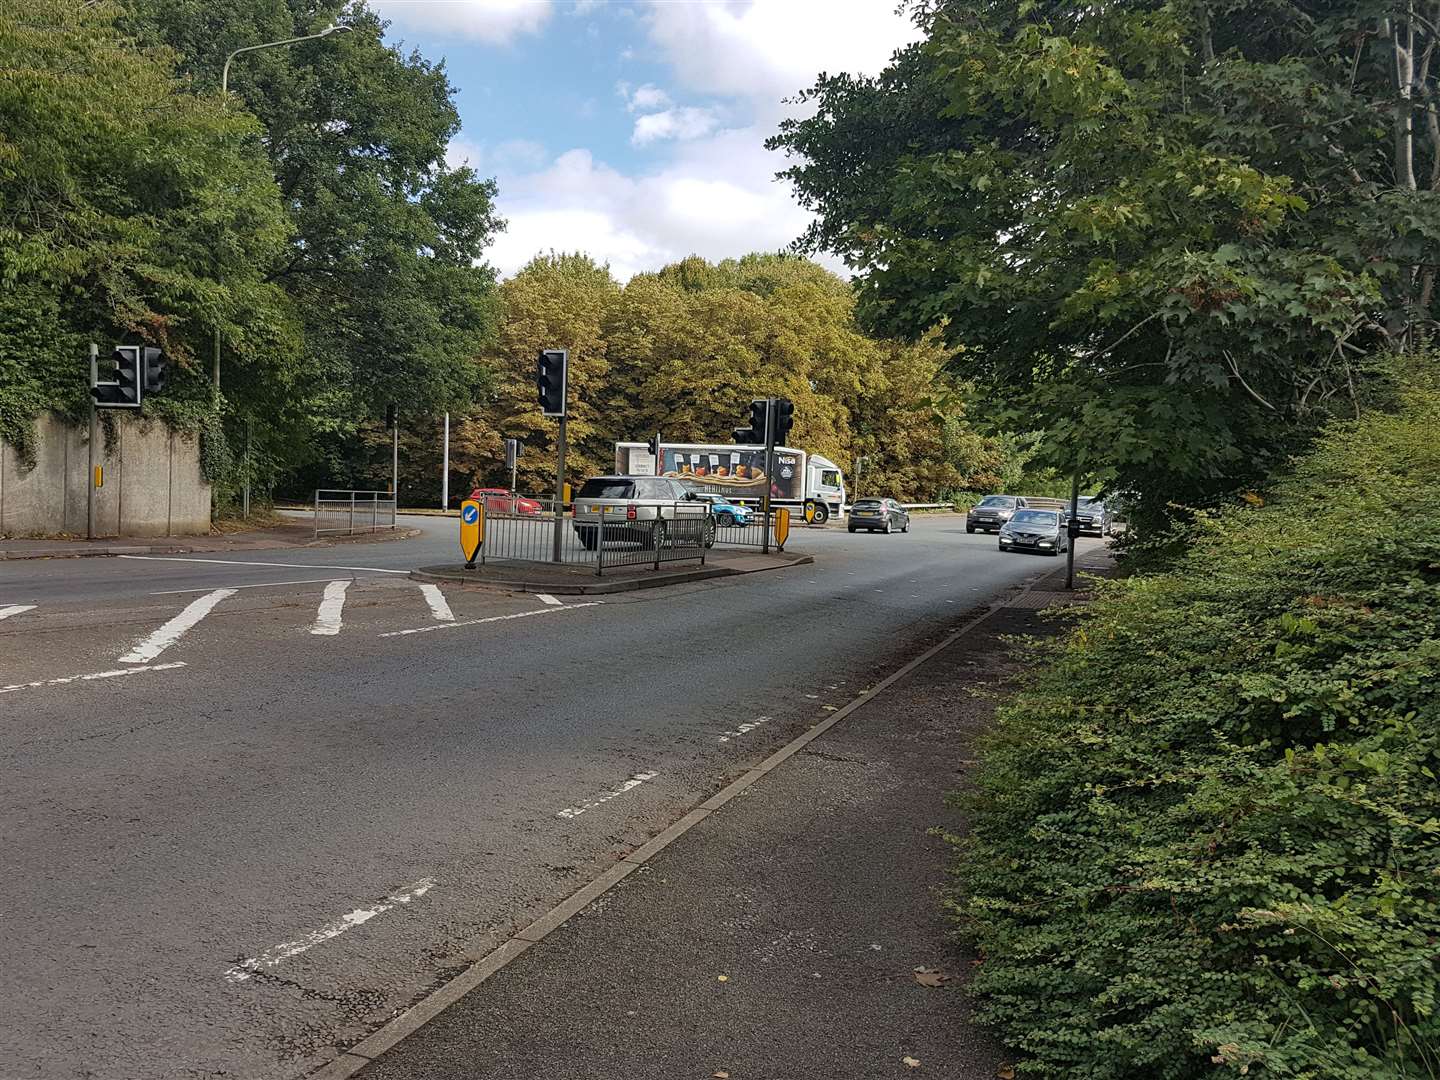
[1206, 839]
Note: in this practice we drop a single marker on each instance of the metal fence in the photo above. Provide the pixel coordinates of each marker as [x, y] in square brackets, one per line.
[606, 541]
[342, 512]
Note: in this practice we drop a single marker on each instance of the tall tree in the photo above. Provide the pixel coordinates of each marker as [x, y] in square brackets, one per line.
[1165, 233]
[129, 209]
[383, 270]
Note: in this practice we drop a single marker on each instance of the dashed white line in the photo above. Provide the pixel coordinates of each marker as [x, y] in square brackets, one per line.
[147, 649]
[15, 609]
[546, 598]
[590, 804]
[332, 604]
[493, 618]
[88, 678]
[439, 607]
[741, 729]
[286, 949]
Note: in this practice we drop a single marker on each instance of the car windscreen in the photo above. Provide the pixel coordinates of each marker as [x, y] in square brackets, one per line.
[1035, 517]
[998, 502]
[607, 489]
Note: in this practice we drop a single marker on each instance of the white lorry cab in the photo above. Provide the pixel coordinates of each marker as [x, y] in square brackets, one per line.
[738, 473]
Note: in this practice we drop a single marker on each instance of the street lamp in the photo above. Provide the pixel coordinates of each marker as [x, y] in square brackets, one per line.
[225, 71]
[224, 92]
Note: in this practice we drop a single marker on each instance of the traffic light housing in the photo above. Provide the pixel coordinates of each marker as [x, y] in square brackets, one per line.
[156, 369]
[124, 391]
[391, 417]
[784, 419]
[759, 408]
[654, 446]
[550, 374]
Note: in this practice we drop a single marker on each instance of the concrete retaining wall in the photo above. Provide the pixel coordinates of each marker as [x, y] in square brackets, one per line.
[153, 485]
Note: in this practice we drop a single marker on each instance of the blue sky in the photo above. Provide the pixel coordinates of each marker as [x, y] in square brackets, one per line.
[634, 129]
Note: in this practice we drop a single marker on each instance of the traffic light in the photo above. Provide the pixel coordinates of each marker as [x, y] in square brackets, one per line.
[124, 390]
[550, 381]
[654, 445]
[784, 419]
[155, 368]
[759, 408]
[391, 418]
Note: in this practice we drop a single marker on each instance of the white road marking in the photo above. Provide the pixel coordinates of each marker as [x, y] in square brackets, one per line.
[327, 618]
[286, 949]
[244, 562]
[15, 609]
[546, 598]
[151, 647]
[493, 618]
[261, 585]
[590, 804]
[87, 678]
[438, 605]
[743, 728]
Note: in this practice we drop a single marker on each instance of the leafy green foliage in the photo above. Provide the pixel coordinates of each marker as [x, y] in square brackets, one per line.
[1207, 831]
[683, 351]
[1166, 233]
[129, 210]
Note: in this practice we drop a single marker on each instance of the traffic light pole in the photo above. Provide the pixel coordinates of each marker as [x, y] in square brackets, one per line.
[1070, 528]
[94, 432]
[769, 471]
[560, 493]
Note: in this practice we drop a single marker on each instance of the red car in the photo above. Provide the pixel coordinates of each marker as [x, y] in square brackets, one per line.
[500, 501]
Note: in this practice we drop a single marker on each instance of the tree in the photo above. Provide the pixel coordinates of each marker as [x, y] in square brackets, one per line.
[682, 352]
[129, 209]
[555, 302]
[383, 270]
[1165, 234]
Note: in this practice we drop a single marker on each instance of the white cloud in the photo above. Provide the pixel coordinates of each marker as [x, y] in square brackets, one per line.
[713, 190]
[771, 49]
[681, 124]
[644, 98]
[642, 222]
[497, 22]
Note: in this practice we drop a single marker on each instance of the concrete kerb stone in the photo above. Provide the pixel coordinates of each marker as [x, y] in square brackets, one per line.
[359, 1056]
[445, 575]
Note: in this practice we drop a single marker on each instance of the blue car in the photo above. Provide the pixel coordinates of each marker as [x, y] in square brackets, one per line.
[726, 513]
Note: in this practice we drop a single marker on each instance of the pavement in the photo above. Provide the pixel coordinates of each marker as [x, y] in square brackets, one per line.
[258, 803]
[296, 535]
[796, 931]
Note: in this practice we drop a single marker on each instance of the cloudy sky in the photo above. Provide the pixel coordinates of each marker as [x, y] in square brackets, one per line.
[633, 129]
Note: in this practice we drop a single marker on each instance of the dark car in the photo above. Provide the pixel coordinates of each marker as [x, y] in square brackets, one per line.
[1035, 530]
[992, 512]
[878, 515]
[1092, 515]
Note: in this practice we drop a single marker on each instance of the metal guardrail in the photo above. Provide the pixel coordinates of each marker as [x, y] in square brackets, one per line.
[606, 542]
[340, 511]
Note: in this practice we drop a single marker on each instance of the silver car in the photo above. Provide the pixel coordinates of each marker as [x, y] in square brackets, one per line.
[1035, 530]
[646, 510]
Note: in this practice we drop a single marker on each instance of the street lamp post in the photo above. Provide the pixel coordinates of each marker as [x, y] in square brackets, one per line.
[224, 93]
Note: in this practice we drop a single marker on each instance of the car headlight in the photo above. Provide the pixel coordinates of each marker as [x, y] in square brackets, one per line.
[1004, 539]
[1046, 543]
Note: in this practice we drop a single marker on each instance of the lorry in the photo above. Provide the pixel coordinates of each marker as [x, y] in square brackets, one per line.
[738, 472]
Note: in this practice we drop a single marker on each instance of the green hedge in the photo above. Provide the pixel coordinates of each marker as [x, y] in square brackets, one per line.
[1206, 837]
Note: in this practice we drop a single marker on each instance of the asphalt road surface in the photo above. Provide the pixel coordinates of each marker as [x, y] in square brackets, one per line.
[255, 805]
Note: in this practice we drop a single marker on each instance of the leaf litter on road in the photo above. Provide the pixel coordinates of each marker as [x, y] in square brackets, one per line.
[931, 977]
